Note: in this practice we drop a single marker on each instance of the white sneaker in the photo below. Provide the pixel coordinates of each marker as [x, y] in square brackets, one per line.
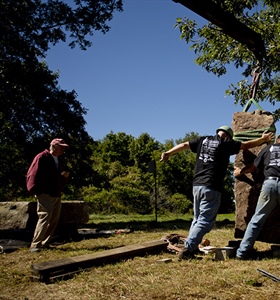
[35, 250]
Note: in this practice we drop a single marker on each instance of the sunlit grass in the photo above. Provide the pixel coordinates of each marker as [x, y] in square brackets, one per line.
[142, 277]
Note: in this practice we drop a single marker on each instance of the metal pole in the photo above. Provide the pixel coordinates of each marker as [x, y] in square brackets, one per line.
[153, 169]
[155, 176]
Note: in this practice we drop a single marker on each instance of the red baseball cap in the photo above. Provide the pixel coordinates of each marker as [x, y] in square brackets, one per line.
[59, 142]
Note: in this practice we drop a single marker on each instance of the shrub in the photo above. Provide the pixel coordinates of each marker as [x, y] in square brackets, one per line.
[179, 203]
[120, 200]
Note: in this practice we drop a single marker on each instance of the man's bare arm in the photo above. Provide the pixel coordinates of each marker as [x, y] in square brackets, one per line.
[266, 137]
[178, 148]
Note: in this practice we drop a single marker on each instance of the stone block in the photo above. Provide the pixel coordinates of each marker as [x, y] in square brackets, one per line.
[23, 215]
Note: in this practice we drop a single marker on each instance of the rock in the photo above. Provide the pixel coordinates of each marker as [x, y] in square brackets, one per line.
[23, 215]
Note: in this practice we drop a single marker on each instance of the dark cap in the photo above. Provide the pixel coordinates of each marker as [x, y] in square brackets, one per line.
[226, 129]
[59, 142]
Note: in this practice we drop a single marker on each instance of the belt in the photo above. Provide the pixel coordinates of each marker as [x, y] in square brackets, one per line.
[273, 178]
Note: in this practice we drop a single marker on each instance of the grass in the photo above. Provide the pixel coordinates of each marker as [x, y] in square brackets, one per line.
[148, 222]
[142, 277]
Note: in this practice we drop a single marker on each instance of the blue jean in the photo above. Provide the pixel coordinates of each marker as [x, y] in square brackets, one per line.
[268, 199]
[206, 206]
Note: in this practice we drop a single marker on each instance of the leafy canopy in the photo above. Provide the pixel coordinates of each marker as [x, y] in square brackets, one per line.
[216, 51]
[34, 109]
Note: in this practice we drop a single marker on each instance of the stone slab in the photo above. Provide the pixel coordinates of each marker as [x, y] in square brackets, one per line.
[23, 215]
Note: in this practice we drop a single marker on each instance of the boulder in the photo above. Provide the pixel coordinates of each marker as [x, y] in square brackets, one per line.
[23, 215]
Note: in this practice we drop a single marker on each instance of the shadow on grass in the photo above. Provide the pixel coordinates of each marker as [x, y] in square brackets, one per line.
[105, 229]
[177, 224]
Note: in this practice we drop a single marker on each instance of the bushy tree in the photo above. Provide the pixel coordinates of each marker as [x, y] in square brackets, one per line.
[177, 173]
[227, 197]
[121, 164]
[34, 109]
[142, 151]
[122, 188]
[116, 147]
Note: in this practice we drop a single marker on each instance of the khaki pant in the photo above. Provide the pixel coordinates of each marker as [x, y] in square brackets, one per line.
[48, 210]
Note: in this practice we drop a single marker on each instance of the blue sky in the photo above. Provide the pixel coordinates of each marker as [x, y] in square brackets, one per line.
[141, 78]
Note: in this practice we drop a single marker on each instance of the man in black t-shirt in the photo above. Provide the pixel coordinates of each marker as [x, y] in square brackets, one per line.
[268, 161]
[213, 153]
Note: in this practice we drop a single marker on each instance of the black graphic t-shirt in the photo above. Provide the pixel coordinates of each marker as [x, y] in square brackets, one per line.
[212, 159]
[268, 160]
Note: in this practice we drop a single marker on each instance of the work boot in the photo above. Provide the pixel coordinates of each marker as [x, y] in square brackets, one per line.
[248, 255]
[185, 254]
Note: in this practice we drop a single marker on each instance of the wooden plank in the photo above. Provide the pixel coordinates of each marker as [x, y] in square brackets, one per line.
[60, 268]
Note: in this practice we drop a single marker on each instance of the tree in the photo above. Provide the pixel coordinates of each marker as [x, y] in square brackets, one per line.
[216, 51]
[227, 197]
[121, 185]
[115, 147]
[110, 158]
[33, 107]
[142, 151]
[176, 174]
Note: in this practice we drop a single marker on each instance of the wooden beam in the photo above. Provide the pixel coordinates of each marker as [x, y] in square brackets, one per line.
[228, 23]
[47, 271]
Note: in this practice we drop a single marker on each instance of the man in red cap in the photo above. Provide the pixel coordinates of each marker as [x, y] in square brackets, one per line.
[45, 179]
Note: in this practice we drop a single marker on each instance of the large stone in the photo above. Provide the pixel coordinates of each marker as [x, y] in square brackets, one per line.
[23, 215]
[250, 125]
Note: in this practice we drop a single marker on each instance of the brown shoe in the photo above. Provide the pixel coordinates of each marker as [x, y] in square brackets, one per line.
[185, 254]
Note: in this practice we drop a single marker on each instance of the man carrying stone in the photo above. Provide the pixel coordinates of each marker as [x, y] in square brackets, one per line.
[213, 153]
[268, 161]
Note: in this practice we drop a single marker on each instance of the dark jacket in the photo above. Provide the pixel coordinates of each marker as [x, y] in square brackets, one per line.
[44, 176]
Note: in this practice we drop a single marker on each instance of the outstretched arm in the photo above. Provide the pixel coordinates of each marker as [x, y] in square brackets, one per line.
[267, 136]
[175, 149]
